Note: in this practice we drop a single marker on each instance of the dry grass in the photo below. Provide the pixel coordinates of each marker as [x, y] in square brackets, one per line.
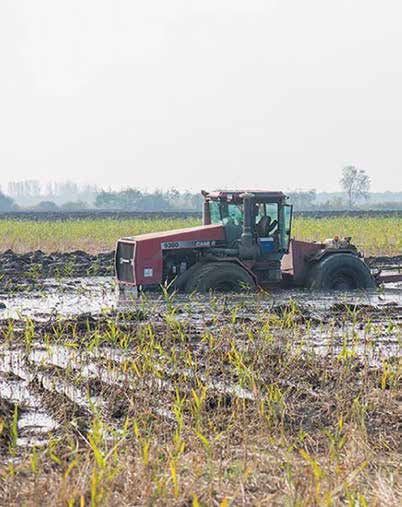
[226, 410]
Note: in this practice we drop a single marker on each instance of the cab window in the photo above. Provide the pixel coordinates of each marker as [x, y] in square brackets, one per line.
[226, 213]
[266, 215]
[232, 214]
[214, 212]
[267, 209]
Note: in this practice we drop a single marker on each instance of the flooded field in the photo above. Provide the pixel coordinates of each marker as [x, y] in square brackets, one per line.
[73, 296]
[191, 395]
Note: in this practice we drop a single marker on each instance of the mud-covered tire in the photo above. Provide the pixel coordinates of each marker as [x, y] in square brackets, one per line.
[220, 277]
[182, 280]
[340, 272]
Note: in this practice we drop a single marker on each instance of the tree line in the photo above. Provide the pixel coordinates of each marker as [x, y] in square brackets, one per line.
[70, 196]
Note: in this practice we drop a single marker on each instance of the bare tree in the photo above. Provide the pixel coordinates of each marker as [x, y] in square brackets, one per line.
[6, 203]
[356, 184]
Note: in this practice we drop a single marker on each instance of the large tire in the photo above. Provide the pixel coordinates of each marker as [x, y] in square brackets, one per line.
[220, 277]
[182, 280]
[340, 271]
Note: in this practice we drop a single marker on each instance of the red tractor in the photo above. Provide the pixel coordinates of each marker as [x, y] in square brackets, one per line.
[244, 242]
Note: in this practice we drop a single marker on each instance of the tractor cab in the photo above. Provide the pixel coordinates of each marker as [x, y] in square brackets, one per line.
[265, 216]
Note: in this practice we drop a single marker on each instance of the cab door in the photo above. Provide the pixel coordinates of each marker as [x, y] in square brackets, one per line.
[285, 226]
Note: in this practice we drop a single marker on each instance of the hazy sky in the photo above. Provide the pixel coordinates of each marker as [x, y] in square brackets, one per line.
[201, 94]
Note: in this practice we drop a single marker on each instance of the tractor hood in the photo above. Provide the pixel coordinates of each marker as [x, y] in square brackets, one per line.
[202, 232]
[206, 231]
[139, 259]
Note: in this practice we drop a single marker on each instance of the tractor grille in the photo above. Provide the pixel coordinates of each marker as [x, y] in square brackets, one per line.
[125, 262]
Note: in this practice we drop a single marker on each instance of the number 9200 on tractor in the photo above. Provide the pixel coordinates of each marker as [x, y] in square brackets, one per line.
[244, 242]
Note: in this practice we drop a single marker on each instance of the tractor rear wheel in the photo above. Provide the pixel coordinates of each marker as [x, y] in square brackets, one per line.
[220, 277]
[340, 271]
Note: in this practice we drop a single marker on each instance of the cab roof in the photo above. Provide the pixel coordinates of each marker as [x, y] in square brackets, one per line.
[235, 194]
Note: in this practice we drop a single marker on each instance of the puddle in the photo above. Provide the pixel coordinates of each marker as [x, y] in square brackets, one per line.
[67, 298]
[33, 421]
[92, 295]
[38, 422]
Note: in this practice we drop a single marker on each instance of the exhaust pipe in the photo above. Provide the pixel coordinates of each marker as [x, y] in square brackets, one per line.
[206, 213]
[247, 247]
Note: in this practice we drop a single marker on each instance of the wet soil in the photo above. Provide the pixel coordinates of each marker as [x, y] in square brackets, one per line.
[55, 297]
[24, 271]
[382, 262]
[64, 346]
[30, 268]
[73, 351]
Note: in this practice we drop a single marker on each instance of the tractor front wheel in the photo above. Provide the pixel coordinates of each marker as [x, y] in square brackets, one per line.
[220, 277]
[340, 271]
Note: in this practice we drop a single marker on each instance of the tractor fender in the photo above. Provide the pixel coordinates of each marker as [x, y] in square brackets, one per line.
[325, 252]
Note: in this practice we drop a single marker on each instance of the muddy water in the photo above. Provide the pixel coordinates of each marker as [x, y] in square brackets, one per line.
[61, 297]
[93, 295]
[33, 421]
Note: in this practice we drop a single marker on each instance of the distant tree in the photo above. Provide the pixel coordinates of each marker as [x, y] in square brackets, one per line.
[336, 203]
[74, 206]
[183, 200]
[356, 184]
[393, 205]
[106, 200]
[154, 202]
[46, 206]
[26, 188]
[128, 199]
[6, 203]
[303, 200]
[133, 199]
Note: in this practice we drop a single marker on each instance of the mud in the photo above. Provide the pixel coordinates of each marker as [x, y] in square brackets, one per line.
[23, 272]
[88, 304]
[382, 262]
[19, 271]
[64, 350]
[97, 298]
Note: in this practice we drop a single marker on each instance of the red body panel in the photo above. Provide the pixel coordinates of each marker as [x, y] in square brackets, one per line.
[294, 263]
[148, 262]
